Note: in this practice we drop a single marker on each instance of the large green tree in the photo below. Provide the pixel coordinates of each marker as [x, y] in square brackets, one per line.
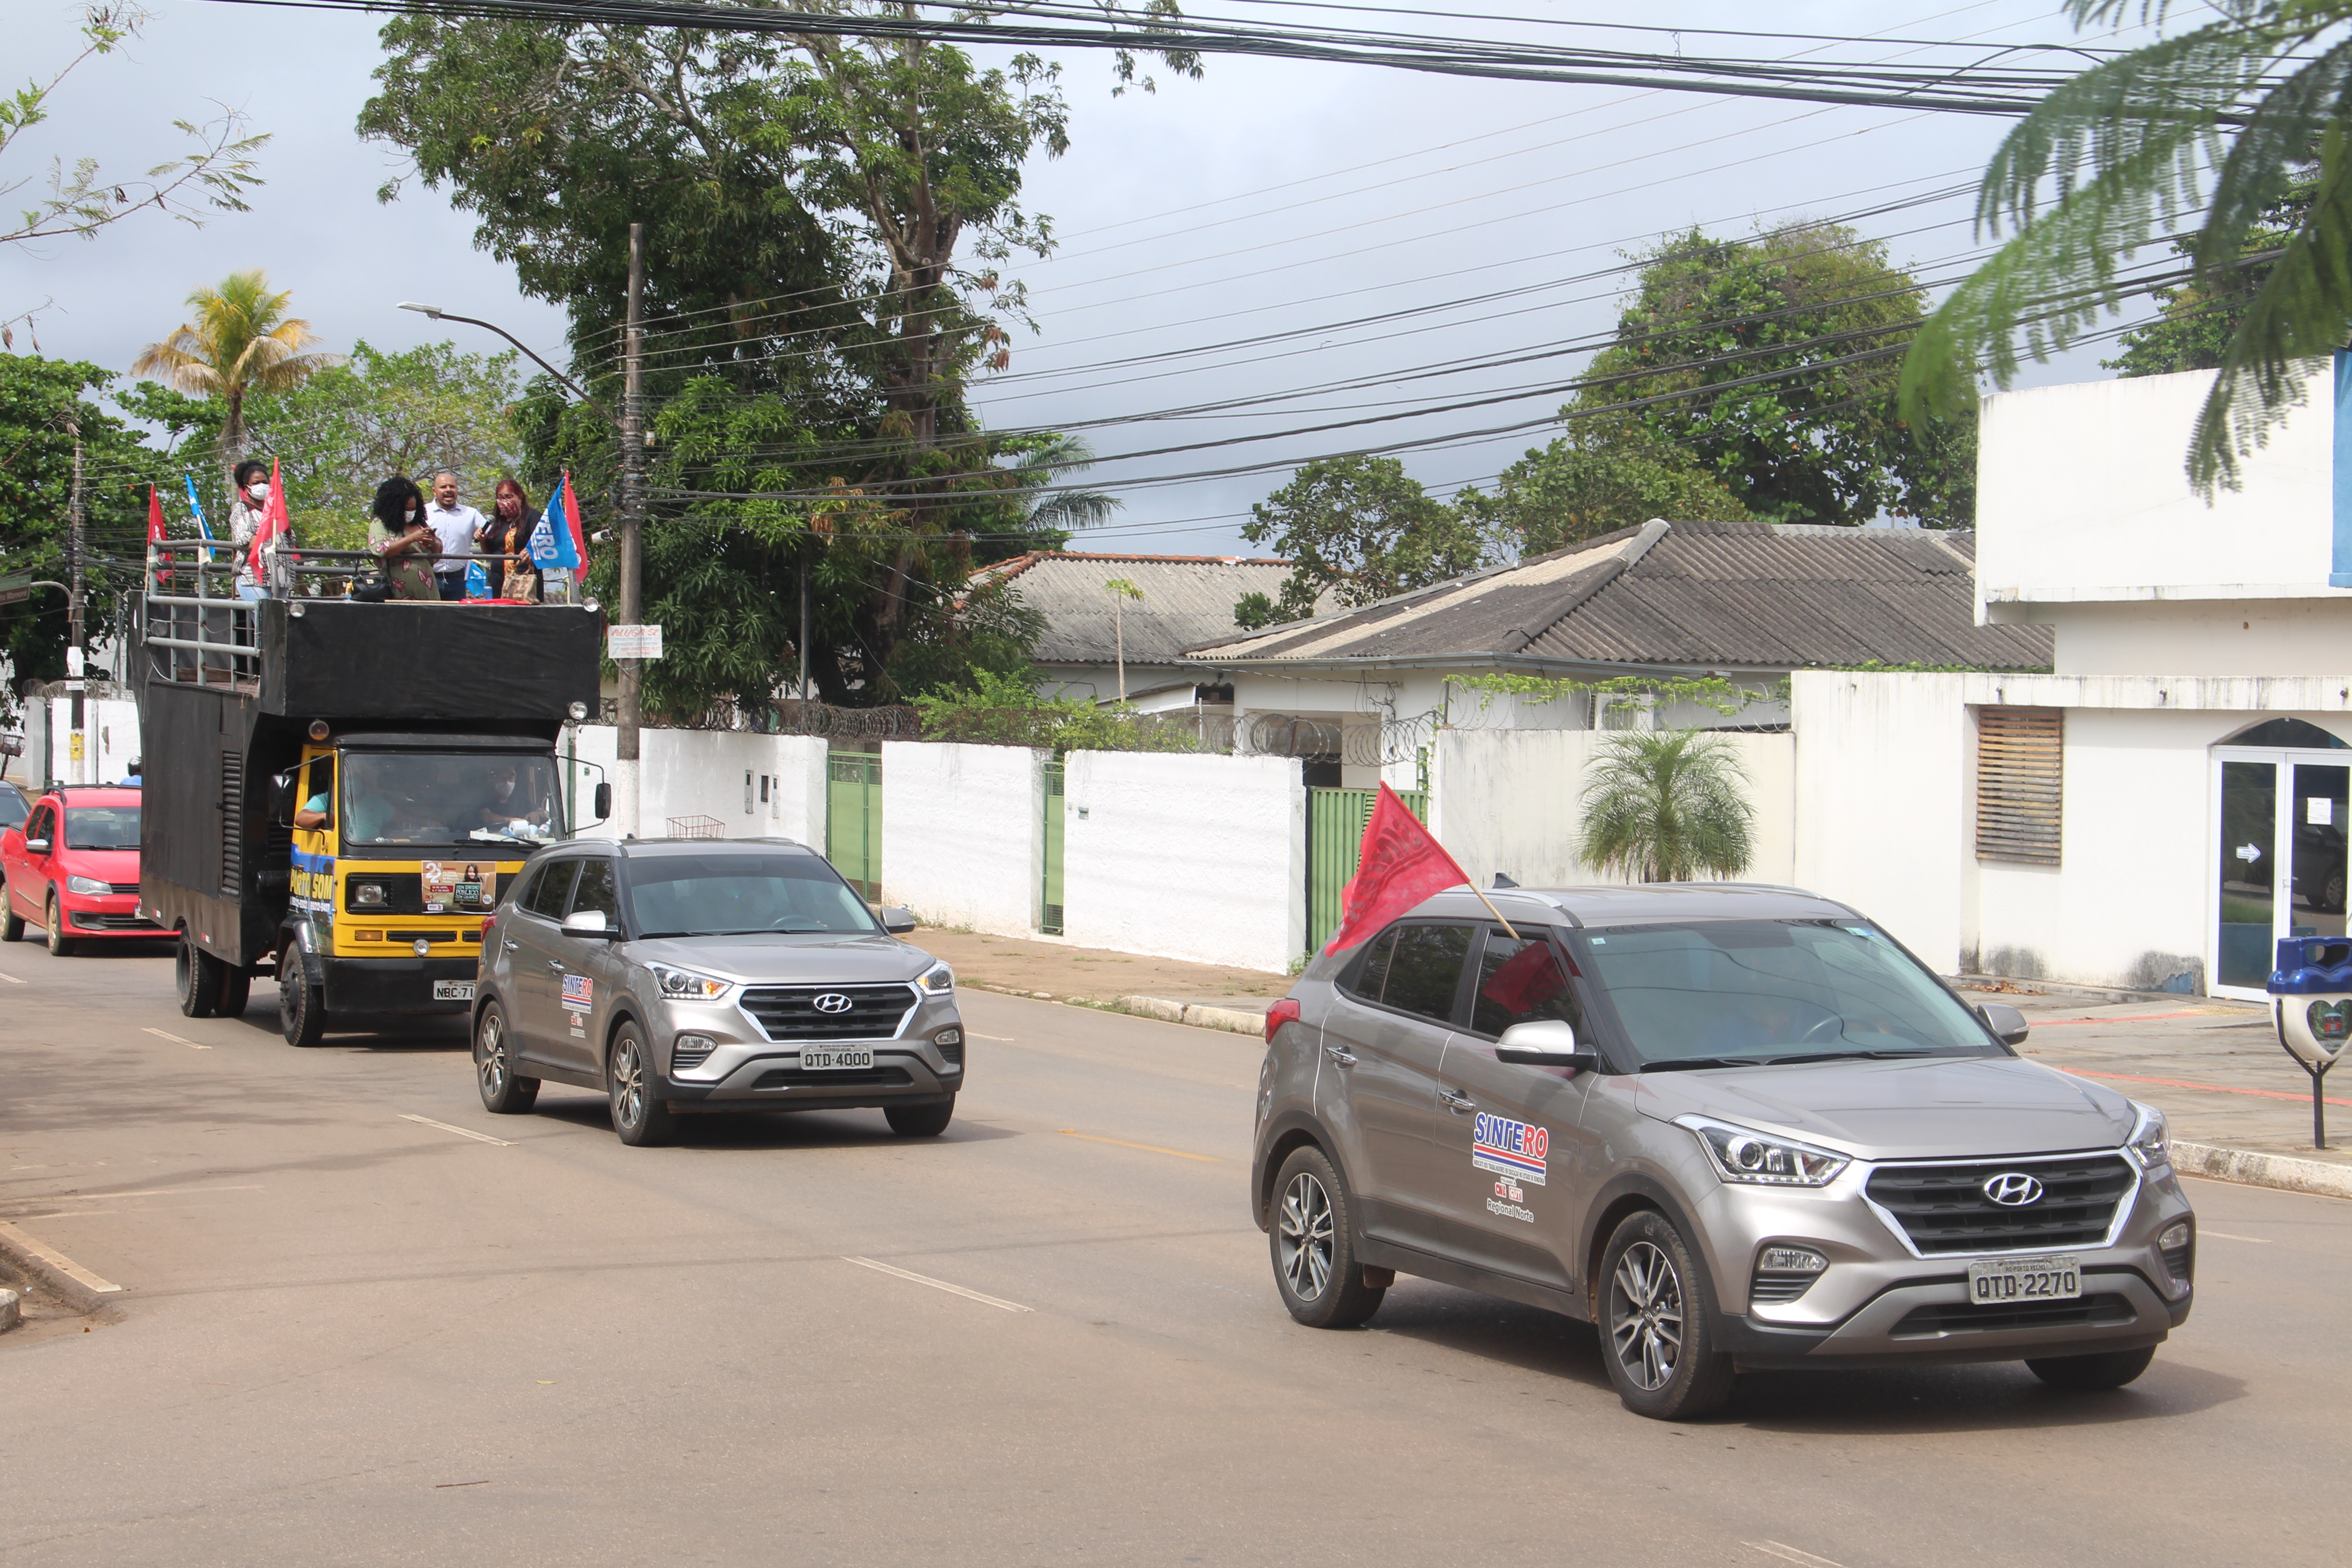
[2200, 135]
[1772, 362]
[2200, 320]
[827, 221]
[1359, 529]
[1571, 490]
[43, 404]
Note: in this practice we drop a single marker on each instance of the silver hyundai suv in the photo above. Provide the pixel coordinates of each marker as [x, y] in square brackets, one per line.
[702, 974]
[1733, 1126]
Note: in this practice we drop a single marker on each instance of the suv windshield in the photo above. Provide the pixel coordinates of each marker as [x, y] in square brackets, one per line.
[101, 828]
[731, 895]
[423, 797]
[1736, 992]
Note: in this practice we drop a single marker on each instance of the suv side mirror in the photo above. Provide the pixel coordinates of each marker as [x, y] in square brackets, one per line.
[589, 922]
[605, 802]
[896, 921]
[2006, 1021]
[1545, 1043]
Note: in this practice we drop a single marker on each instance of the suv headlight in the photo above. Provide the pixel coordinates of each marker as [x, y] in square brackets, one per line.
[2152, 1139]
[937, 980]
[1762, 1159]
[685, 986]
[89, 885]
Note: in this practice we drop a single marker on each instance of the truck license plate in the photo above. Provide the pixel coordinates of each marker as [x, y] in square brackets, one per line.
[453, 991]
[2000, 1281]
[820, 1061]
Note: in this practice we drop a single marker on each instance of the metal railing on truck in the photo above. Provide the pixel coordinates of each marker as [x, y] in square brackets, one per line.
[207, 635]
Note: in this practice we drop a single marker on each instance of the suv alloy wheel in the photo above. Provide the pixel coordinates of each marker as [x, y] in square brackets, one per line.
[1314, 1246]
[503, 1093]
[640, 1118]
[1656, 1316]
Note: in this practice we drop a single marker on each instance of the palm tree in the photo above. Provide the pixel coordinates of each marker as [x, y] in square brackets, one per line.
[1668, 806]
[2200, 133]
[239, 341]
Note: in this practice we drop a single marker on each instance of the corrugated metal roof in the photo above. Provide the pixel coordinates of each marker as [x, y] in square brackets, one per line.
[1187, 600]
[1747, 595]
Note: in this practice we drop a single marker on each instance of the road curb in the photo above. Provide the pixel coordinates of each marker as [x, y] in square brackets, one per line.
[1230, 1020]
[69, 1281]
[11, 1314]
[2250, 1169]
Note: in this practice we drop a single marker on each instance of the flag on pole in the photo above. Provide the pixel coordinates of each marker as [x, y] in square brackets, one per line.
[273, 538]
[155, 537]
[478, 582]
[198, 507]
[572, 522]
[1398, 866]
[555, 542]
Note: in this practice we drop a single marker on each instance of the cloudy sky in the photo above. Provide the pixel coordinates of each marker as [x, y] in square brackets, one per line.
[1253, 234]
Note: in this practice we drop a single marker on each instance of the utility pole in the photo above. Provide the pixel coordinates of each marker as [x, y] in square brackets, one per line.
[625, 775]
[804, 635]
[76, 549]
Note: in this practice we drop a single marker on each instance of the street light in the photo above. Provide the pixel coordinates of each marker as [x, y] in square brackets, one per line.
[436, 313]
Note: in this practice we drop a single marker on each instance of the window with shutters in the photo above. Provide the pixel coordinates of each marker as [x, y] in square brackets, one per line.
[2020, 774]
[232, 810]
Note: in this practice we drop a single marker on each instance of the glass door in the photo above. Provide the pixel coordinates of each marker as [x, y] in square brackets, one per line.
[2281, 846]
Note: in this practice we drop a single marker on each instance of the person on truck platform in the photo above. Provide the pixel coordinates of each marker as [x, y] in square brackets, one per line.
[252, 485]
[454, 526]
[399, 537]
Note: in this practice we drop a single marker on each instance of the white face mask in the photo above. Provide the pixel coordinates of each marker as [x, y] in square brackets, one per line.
[257, 491]
[410, 515]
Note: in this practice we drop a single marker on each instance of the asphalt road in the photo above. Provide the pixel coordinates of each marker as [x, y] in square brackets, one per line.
[353, 1337]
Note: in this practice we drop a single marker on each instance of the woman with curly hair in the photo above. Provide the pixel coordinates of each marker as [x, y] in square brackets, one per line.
[400, 538]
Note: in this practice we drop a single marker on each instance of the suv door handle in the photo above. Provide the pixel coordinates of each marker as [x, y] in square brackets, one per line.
[1340, 1053]
[555, 963]
[1457, 1100]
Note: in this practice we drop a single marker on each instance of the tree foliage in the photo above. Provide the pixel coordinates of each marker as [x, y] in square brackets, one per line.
[349, 427]
[1575, 489]
[1772, 362]
[42, 402]
[238, 341]
[1359, 529]
[2222, 120]
[2198, 321]
[827, 224]
[1668, 806]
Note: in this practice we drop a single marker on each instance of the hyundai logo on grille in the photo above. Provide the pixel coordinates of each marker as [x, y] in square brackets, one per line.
[835, 1002]
[2010, 1189]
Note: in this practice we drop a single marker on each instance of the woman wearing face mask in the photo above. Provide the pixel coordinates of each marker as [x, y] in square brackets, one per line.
[252, 482]
[400, 537]
[507, 532]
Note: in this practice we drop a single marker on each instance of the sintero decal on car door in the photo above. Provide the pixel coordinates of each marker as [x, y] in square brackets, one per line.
[1510, 1148]
[578, 992]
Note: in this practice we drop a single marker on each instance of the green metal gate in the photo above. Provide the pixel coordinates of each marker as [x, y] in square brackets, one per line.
[1335, 837]
[1050, 918]
[853, 819]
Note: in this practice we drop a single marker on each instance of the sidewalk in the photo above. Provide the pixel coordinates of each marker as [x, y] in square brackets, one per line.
[2239, 1106]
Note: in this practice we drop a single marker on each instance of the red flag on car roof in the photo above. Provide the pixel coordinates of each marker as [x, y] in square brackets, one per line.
[1398, 865]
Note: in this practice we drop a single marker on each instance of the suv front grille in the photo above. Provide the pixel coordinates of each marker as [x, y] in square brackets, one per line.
[1943, 1209]
[2107, 1310]
[847, 1077]
[791, 1012]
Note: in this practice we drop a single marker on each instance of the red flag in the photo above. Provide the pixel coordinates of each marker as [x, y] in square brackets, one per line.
[571, 521]
[1527, 978]
[155, 537]
[1398, 865]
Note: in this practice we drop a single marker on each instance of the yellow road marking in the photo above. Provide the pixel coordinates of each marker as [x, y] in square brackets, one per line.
[998, 1302]
[177, 1041]
[1147, 1148]
[461, 1131]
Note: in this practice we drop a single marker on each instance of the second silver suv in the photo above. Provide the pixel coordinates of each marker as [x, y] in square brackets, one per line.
[694, 974]
[1731, 1126]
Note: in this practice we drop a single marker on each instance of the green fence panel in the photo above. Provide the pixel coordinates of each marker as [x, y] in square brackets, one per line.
[1336, 819]
[1050, 919]
[853, 819]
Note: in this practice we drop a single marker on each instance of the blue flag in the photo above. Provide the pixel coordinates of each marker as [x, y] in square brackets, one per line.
[478, 582]
[550, 540]
[198, 507]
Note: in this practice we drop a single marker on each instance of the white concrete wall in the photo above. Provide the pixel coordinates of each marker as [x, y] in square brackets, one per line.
[2246, 637]
[700, 773]
[111, 741]
[2081, 494]
[1199, 858]
[1507, 800]
[1883, 801]
[962, 833]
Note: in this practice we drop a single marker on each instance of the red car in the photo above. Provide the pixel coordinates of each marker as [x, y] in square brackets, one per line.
[72, 867]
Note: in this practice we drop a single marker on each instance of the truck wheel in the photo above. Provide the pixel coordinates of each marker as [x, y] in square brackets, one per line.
[195, 974]
[638, 1116]
[301, 1008]
[61, 944]
[236, 990]
[503, 1094]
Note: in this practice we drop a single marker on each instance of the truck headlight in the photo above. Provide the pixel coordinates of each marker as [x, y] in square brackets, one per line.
[685, 986]
[89, 886]
[937, 980]
[1764, 1159]
[368, 896]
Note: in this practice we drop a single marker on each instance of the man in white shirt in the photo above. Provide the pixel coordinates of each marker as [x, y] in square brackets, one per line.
[454, 525]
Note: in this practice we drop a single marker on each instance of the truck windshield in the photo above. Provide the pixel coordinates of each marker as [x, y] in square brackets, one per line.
[738, 894]
[102, 827]
[441, 798]
[1751, 992]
